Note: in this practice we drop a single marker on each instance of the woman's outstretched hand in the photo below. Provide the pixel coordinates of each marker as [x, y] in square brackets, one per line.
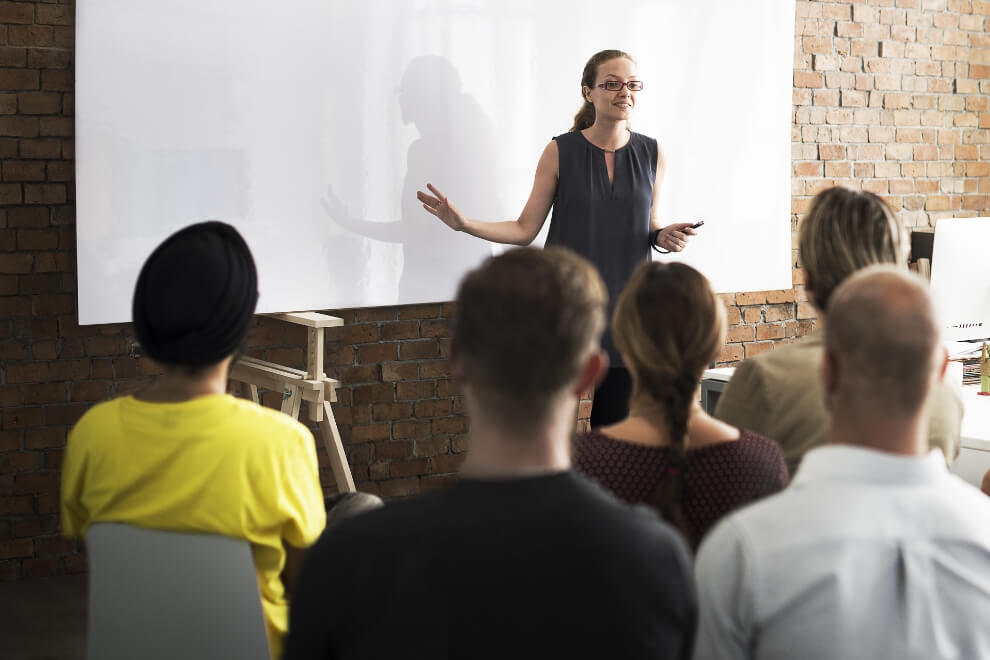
[440, 206]
[675, 237]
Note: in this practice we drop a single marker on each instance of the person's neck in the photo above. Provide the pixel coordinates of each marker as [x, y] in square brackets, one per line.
[497, 450]
[871, 430]
[647, 424]
[608, 135]
[174, 386]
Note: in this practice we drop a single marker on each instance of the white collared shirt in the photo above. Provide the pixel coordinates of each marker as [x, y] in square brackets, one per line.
[866, 555]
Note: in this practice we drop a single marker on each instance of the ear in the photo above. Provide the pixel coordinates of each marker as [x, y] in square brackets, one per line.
[592, 373]
[586, 91]
[944, 357]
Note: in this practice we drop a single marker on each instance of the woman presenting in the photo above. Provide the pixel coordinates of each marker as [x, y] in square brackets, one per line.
[602, 181]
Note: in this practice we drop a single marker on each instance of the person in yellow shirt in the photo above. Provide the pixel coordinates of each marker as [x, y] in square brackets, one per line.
[184, 456]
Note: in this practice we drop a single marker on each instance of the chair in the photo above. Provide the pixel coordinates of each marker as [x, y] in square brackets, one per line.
[165, 595]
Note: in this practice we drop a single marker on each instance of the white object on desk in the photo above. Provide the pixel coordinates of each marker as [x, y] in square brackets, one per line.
[974, 436]
[722, 373]
[960, 277]
[712, 383]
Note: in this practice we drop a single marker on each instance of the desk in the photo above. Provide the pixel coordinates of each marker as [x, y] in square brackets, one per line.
[974, 436]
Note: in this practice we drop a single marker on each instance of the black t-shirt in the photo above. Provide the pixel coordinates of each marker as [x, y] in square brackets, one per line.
[537, 567]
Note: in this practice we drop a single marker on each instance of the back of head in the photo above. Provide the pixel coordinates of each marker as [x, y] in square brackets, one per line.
[844, 231]
[669, 326]
[882, 332]
[195, 296]
[527, 320]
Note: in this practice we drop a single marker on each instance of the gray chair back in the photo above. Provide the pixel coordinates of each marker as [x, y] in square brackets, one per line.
[165, 595]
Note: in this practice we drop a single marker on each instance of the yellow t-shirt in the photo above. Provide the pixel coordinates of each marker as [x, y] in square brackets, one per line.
[213, 464]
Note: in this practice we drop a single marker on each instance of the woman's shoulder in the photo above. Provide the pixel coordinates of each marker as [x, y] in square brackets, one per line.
[589, 438]
[570, 141]
[753, 441]
[645, 147]
[570, 137]
[645, 140]
[595, 445]
[761, 453]
[752, 459]
[750, 447]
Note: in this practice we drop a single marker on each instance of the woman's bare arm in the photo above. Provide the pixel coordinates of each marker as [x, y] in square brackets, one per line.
[521, 231]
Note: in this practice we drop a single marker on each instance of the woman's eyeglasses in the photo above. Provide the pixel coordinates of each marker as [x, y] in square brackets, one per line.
[616, 85]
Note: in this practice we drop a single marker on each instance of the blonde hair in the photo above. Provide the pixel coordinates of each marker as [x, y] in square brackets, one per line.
[527, 320]
[844, 231]
[585, 117]
[669, 326]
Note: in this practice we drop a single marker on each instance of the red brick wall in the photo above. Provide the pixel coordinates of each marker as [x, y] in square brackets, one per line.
[889, 95]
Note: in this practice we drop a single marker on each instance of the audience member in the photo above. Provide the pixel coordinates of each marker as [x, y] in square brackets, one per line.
[184, 456]
[668, 452]
[521, 557]
[875, 550]
[778, 393]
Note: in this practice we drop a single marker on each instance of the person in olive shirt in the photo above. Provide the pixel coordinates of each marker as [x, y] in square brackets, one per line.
[778, 394]
[521, 557]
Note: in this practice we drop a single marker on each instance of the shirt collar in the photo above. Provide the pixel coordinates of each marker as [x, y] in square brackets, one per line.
[864, 465]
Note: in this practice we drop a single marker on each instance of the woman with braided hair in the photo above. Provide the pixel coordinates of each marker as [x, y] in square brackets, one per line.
[694, 469]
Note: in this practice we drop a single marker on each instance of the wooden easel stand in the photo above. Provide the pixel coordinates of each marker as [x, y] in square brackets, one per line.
[297, 385]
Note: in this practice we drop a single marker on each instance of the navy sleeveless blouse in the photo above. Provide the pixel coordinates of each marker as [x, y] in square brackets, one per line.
[607, 223]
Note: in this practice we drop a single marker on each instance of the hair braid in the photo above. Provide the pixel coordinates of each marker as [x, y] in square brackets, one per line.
[666, 358]
[674, 393]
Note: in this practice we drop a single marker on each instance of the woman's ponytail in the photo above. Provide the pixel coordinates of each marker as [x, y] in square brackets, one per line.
[585, 117]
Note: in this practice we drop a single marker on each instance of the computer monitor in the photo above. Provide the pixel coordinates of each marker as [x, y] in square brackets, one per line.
[960, 284]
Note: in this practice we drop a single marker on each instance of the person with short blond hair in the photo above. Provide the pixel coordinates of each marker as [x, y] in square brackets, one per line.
[521, 557]
[875, 550]
[778, 393]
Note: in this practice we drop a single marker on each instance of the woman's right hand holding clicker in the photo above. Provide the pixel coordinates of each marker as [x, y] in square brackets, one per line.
[440, 206]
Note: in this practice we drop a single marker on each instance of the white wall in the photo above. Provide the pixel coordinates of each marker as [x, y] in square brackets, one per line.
[309, 124]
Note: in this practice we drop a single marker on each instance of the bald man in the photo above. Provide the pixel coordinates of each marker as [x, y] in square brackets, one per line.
[875, 550]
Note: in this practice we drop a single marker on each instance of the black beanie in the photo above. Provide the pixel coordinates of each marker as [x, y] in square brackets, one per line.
[195, 296]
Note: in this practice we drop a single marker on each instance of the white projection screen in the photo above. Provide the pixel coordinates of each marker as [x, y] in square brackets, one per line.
[310, 124]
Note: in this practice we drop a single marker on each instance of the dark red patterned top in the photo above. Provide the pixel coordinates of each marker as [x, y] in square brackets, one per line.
[717, 478]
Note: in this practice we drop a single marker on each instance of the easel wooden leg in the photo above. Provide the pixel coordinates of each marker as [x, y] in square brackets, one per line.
[291, 404]
[335, 451]
[311, 385]
[249, 391]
